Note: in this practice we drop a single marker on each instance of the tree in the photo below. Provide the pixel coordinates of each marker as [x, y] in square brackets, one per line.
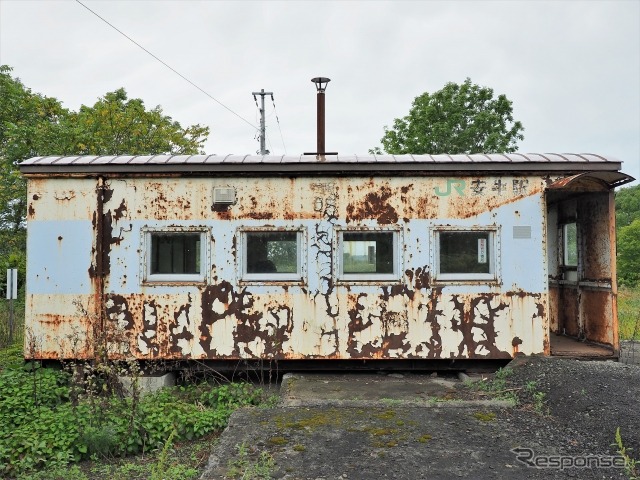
[629, 254]
[628, 235]
[462, 118]
[116, 125]
[627, 205]
[35, 125]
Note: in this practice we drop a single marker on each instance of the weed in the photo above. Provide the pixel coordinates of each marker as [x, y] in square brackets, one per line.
[57, 473]
[539, 403]
[631, 465]
[242, 466]
[424, 438]
[159, 470]
[299, 448]
[497, 387]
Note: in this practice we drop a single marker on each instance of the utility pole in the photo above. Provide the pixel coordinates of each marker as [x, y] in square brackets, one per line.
[263, 133]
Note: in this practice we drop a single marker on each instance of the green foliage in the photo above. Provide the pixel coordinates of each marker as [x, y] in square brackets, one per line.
[629, 313]
[65, 472]
[628, 229]
[116, 125]
[232, 395]
[41, 427]
[463, 118]
[627, 205]
[629, 254]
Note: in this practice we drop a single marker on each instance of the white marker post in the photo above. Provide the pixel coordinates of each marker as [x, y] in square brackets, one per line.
[12, 294]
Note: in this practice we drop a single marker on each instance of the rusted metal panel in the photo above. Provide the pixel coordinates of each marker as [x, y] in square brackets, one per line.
[318, 316]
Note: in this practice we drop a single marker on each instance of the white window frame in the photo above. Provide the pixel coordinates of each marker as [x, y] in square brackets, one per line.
[274, 277]
[385, 278]
[493, 254]
[155, 278]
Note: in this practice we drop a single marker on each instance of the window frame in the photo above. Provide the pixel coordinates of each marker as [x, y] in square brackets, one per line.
[273, 278]
[569, 272]
[184, 278]
[493, 255]
[368, 278]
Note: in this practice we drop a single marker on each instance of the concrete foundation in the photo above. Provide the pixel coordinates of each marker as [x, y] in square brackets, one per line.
[148, 383]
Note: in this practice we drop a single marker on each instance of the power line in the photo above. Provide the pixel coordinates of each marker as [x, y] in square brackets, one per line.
[168, 66]
[278, 120]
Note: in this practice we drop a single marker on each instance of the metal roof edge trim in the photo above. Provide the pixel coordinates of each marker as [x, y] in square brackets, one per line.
[306, 168]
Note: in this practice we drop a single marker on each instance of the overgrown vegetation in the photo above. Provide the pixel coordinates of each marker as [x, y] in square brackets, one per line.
[497, 386]
[52, 418]
[629, 313]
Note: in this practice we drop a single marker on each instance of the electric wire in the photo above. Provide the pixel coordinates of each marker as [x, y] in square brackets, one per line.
[168, 66]
[278, 120]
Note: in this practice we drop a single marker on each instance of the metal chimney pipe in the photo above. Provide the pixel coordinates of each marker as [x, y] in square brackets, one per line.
[320, 131]
[321, 85]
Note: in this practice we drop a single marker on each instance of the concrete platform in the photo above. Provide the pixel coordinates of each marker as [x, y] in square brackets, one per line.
[376, 390]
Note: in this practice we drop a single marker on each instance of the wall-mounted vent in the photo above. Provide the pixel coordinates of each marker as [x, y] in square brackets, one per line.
[224, 196]
[522, 231]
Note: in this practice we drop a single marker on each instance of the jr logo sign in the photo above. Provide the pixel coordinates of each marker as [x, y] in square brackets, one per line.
[457, 185]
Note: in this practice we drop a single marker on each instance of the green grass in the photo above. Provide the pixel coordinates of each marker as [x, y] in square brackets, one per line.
[629, 313]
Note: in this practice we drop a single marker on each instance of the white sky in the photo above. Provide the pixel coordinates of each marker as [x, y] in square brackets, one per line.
[571, 68]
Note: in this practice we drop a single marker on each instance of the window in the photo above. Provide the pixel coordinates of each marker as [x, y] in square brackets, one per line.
[368, 255]
[570, 251]
[570, 235]
[465, 255]
[175, 256]
[272, 255]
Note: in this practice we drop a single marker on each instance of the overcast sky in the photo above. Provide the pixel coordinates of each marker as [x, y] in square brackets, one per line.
[571, 68]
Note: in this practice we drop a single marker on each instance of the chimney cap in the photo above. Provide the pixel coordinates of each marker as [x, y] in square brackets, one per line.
[321, 83]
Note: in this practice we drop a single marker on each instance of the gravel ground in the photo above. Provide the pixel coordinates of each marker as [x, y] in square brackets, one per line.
[568, 412]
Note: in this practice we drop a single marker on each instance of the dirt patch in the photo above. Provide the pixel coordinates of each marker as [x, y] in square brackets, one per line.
[567, 410]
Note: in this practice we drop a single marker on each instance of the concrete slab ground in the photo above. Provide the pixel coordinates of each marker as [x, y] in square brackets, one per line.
[365, 426]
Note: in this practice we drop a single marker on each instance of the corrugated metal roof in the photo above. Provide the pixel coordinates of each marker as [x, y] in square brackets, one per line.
[326, 164]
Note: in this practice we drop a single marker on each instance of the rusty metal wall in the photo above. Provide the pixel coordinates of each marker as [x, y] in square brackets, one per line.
[86, 264]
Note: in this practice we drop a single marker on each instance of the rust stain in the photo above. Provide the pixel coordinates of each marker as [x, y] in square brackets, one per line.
[117, 309]
[118, 213]
[388, 321]
[596, 306]
[179, 332]
[375, 205]
[149, 333]
[478, 314]
[515, 343]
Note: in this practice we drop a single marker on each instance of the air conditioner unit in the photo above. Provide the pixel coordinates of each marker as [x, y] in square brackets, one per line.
[224, 196]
